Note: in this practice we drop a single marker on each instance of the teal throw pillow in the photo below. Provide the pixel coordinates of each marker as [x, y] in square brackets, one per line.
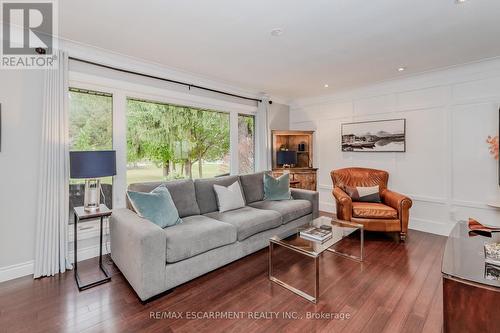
[277, 188]
[156, 206]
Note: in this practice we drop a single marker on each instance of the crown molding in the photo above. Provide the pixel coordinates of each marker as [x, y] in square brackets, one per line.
[99, 55]
[439, 77]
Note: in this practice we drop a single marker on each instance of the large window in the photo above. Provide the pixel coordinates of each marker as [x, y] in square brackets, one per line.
[246, 143]
[90, 128]
[90, 120]
[168, 141]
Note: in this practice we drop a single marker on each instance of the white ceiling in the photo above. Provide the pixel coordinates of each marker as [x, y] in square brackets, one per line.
[343, 43]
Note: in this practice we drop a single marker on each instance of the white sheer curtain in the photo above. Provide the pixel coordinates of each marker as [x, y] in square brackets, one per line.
[263, 136]
[51, 249]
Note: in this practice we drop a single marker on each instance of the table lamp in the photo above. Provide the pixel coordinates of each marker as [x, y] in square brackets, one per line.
[91, 165]
[287, 158]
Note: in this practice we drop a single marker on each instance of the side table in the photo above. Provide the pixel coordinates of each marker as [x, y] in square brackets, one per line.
[81, 215]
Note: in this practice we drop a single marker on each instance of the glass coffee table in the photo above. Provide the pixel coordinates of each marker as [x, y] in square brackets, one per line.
[349, 232]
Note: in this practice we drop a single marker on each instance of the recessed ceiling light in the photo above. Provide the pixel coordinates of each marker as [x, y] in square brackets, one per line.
[460, 1]
[277, 32]
[326, 86]
[401, 69]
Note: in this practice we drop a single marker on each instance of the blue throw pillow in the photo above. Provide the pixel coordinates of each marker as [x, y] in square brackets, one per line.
[156, 206]
[277, 188]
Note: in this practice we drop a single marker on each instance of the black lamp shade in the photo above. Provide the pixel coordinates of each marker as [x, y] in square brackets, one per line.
[92, 164]
[287, 157]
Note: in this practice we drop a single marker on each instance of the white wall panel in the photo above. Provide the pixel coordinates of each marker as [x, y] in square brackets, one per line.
[425, 141]
[377, 104]
[423, 98]
[474, 170]
[337, 110]
[477, 90]
[447, 169]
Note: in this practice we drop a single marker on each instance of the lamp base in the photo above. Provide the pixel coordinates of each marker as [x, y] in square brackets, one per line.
[92, 199]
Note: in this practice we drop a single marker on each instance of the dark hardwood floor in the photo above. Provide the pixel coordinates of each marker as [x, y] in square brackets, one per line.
[396, 289]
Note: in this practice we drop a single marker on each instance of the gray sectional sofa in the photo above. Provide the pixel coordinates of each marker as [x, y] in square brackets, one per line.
[154, 260]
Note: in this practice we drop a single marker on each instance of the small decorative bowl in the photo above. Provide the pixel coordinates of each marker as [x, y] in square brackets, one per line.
[492, 253]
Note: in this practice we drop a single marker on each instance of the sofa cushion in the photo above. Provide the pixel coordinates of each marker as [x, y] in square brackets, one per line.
[182, 192]
[205, 193]
[371, 210]
[248, 220]
[197, 234]
[289, 209]
[253, 186]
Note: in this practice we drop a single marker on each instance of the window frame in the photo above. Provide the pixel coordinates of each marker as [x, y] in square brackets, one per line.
[122, 90]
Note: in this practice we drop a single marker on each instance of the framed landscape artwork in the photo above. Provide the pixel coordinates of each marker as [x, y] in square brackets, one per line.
[375, 136]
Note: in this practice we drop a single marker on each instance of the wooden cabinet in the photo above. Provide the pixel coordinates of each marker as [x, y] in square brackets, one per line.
[306, 177]
[300, 142]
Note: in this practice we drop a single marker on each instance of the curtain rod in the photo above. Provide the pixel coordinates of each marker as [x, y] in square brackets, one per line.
[189, 85]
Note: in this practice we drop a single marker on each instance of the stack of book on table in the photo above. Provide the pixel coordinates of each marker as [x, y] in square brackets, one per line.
[316, 234]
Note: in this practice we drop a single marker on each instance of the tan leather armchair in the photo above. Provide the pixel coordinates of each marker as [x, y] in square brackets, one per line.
[391, 215]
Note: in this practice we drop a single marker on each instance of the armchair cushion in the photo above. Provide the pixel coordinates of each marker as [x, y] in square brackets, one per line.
[373, 211]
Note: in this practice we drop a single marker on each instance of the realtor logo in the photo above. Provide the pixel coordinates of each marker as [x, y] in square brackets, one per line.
[28, 30]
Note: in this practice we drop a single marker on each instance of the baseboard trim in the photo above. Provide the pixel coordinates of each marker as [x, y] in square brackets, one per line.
[27, 268]
[430, 226]
[17, 270]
